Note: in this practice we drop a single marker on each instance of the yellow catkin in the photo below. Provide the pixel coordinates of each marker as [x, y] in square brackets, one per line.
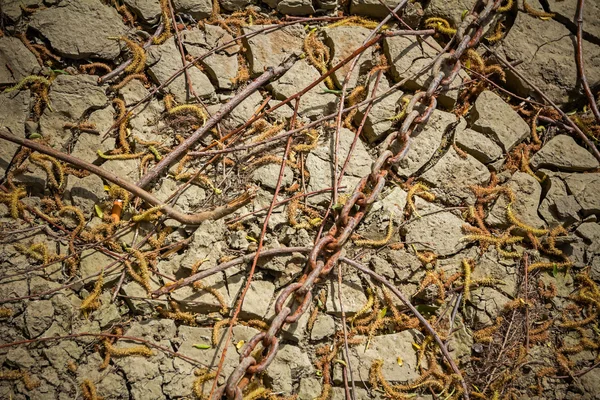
[91, 302]
[177, 314]
[366, 307]
[378, 243]
[216, 334]
[166, 20]
[215, 293]
[6, 312]
[124, 118]
[467, 268]
[138, 63]
[485, 335]
[12, 200]
[129, 78]
[318, 55]
[151, 214]
[91, 67]
[313, 137]
[506, 7]
[140, 350]
[54, 169]
[105, 156]
[28, 80]
[356, 21]
[118, 193]
[440, 25]
[203, 375]
[532, 11]
[498, 33]
[423, 191]
[188, 109]
[88, 390]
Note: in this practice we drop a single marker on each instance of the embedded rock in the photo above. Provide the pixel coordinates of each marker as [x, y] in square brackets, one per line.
[295, 7]
[547, 51]
[235, 5]
[407, 56]
[586, 189]
[81, 29]
[558, 207]
[267, 176]
[73, 95]
[324, 327]
[38, 317]
[164, 60]
[493, 117]
[343, 41]
[411, 13]
[440, 233]
[85, 192]
[289, 364]
[16, 61]
[271, 49]
[257, 300]
[452, 11]
[454, 174]
[478, 145]
[198, 9]
[378, 122]
[319, 163]
[527, 191]
[147, 10]
[243, 112]
[563, 153]
[424, 142]
[353, 296]
[14, 110]
[315, 102]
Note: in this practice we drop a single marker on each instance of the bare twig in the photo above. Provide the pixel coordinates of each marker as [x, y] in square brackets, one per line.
[580, 65]
[346, 353]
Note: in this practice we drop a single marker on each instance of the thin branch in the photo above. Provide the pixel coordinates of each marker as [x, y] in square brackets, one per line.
[580, 65]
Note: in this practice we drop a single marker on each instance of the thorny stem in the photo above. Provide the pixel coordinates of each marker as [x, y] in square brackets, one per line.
[580, 65]
[194, 219]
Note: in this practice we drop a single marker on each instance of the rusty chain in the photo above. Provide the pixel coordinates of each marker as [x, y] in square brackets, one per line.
[327, 250]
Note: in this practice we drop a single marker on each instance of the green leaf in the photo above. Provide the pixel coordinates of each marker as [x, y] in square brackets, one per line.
[555, 270]
[35, 136]
[202, 346]
[98, 210]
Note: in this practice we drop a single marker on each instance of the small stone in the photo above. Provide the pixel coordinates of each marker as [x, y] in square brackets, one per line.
[198, 9]
[85, 192]
[324, 327]
[424, 142]
[73, 95]
[128, 169]
[455, 175]
[164, 60]
[440, 233]
[38, 317]
[319, 164]
[376, 9]
[257, 300]
[590, 231]
[243, 112]
[147, 10]
[267, 175]
[16, 61]
[487, 305]
[478, 145]
[289, 363]
[204, 302]
[268, 50]
[390, 349]
[406, 56]
[353, 296]
[315, 102]
[295, 7]
[310, 389]
[586, 189]
[14, 110]
[381, 267]
[343, 41]
[81, 29]
[496, 119]
[378, 122]
[451, 11]
[108, 316]
[546, 49]
[14, 11]
[556, 193]
[563, 153]
[235, 5]
[20, 357]
[92, 262]
[527, 191]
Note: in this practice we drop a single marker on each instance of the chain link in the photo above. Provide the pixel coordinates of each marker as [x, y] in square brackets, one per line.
[327, 250]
